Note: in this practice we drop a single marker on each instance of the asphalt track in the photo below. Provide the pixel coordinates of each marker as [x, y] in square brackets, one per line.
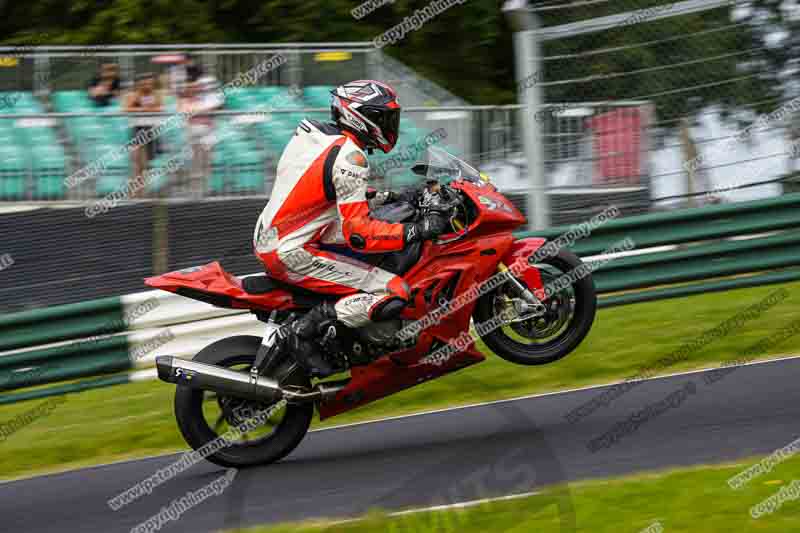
[444, 457]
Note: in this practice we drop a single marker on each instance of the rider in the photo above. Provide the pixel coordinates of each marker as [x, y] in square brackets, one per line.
[319, 205]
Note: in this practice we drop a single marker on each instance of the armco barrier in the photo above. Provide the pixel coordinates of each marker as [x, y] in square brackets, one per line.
[700, 262]
[758, 242]
[715, 241]
[689, 225]
[63, 322]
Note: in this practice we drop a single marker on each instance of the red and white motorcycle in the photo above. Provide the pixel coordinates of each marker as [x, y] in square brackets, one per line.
[479, 271]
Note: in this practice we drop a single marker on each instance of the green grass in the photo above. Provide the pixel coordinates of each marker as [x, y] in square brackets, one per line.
[136, 420]
[683, 500]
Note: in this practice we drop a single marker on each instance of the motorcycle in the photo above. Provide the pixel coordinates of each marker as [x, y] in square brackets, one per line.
[478, 272]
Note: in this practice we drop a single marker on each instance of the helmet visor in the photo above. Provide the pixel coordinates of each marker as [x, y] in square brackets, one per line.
[388, 120]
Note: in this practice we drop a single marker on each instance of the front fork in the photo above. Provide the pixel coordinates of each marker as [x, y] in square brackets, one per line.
[526, 304]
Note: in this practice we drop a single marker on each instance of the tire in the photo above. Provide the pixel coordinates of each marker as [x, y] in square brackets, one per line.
[193, 426]
[578, 327]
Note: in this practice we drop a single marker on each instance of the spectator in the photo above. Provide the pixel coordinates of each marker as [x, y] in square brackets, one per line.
[144, 99]
[184, 71]
[193, 69]
[106, 85]
[196, 100]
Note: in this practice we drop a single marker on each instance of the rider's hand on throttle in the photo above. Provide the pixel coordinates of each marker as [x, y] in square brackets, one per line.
[432, 226]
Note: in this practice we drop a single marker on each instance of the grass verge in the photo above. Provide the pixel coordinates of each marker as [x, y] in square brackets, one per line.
[136, 420]
[679, 501]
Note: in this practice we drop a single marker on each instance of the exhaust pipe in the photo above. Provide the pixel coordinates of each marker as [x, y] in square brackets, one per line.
[218, 379]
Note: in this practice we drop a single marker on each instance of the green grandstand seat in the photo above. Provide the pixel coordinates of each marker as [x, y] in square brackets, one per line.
[173, 139]
[109, 181]
[71, 101]
[170, 103]
[49, 187]
[247, 172]
[27, 108]
[233, 150]
[19, 97]
[117, 129]
[13, 173]
[229, 131]
[86, 130]
[36, 136]
[116, 171]
[245, 154]
[238, 100]
[49, 166]
[12, 185]
[276, 131]
[318, 95]
[270, 92]
[217, 180]
[248, 180]
[258, 95]
[51, 155]
[158, 180]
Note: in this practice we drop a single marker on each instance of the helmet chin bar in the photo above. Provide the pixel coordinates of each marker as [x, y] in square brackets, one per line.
[367, 143]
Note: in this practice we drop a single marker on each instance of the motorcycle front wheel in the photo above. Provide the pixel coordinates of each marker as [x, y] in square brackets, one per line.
[543, 338]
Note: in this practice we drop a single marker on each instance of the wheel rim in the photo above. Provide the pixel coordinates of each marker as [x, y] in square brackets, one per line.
[240, 420]
[544, 330]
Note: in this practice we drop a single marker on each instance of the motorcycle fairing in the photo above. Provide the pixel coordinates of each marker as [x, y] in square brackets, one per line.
[519, 253]
[211, 284]
[458, 265]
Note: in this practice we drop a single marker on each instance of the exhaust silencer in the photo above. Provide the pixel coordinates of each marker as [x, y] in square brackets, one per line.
[218, 379]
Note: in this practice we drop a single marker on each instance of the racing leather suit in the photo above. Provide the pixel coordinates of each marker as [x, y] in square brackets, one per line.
[318, 209]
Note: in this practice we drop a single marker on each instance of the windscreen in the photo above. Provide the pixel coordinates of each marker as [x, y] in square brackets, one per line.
[438, 165]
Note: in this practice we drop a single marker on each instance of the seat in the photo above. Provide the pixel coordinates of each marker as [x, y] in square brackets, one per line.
[263, 283]
[258, 284]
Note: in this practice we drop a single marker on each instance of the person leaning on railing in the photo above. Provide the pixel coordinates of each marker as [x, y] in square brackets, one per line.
[198, 98]
[106, 85]
[143, 99]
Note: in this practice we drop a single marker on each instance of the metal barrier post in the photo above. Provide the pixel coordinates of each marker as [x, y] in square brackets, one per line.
[528, 68]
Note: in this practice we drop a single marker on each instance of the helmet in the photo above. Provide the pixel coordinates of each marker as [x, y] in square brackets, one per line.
[370, 110]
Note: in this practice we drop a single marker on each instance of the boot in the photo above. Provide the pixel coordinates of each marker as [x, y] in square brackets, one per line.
[301, 339]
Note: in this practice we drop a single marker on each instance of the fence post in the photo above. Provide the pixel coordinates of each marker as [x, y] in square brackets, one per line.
[295, 66]
[690, 157]
[160, 251]
[529, 73]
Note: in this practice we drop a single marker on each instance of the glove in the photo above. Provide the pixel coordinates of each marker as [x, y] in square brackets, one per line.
[433, 225]
[387, 197]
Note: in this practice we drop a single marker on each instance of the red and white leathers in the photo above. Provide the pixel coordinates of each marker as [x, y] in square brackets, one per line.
[319, 200]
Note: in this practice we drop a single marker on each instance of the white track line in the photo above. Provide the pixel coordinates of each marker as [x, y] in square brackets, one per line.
[436, 508]
[464, 505]
[444, 410]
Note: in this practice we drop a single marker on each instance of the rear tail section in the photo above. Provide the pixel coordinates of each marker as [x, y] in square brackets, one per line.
[211, 284]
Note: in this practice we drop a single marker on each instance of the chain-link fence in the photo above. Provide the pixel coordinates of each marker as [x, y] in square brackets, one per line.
[693, 106]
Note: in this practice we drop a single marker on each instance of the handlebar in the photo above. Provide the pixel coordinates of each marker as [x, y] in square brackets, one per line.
[446, 201]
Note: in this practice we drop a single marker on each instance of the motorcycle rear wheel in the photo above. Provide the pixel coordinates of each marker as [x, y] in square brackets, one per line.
[548, 338]
[286, 425]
